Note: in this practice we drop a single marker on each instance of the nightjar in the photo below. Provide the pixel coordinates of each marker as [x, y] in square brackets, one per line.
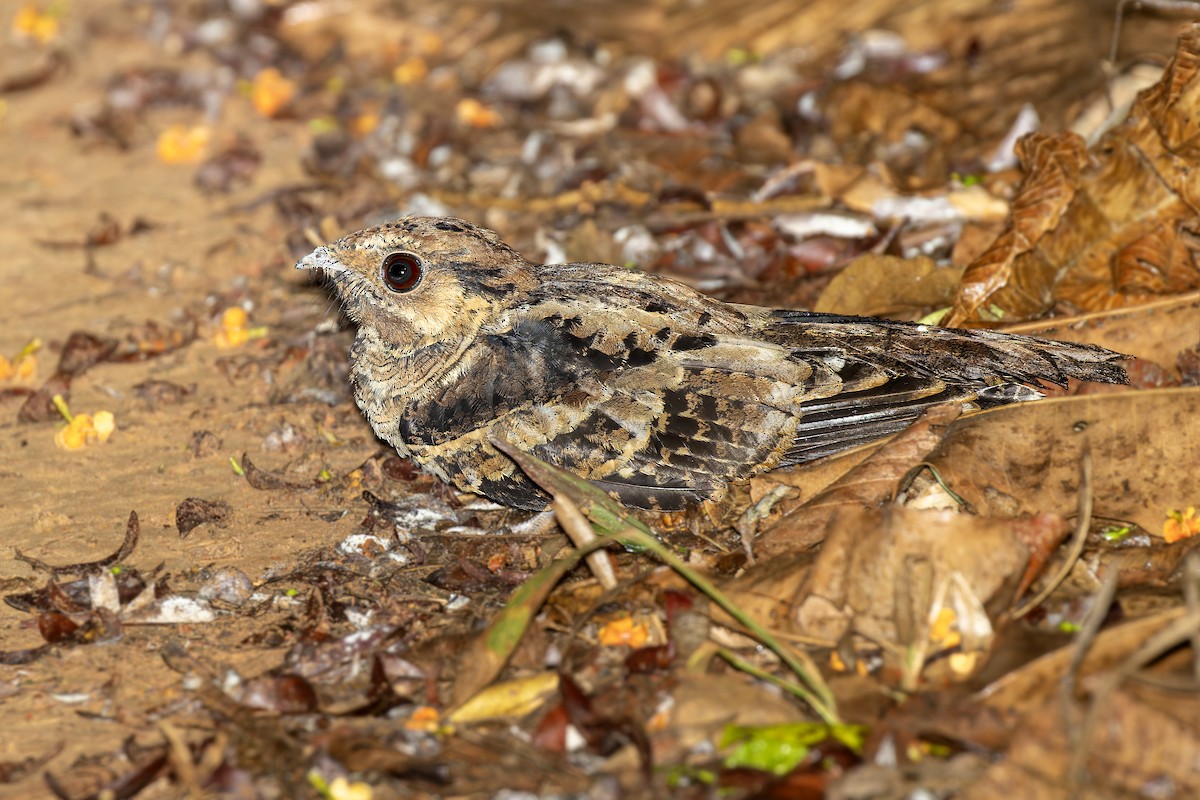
[657, 393]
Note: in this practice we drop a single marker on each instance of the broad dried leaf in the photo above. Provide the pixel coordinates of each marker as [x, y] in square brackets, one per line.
[1027, 688]
[1156, 332]
[514, 698]
[133, 530]
[1143, 736]
[193, 512]
[863, 477]
[1024, 458]
[1102, 228]
[875, 285]
[867, 553]
[867, 484]
[875, 124]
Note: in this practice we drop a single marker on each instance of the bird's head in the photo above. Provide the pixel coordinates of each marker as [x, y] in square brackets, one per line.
[421, 280]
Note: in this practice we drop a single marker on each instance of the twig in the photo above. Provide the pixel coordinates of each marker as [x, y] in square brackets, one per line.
[1083, 521]
[581, 534]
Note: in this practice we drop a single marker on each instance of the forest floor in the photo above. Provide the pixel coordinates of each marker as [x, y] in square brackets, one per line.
[269, 629]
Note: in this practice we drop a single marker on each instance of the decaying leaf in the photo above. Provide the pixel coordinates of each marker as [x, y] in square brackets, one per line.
[1024, 458]
[887, 286]
[1109, 746]
[1160, 332]
[193, 512]
[866, 484]
[510, 699]
[868, 553]
[1101, 227]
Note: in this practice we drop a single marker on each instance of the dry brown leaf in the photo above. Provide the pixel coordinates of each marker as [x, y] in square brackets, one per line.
[973, 242]
[1102, 228]
[1142, 736]
[875, 285]
[767, 591]
[1024, 458]
[997, 56]
[1157, 331]
[1011, 278]
[867, 484]
[811, 477]
[873, 123]
[1027, 688]
[855, 187]
[702, 705]
[867, 554]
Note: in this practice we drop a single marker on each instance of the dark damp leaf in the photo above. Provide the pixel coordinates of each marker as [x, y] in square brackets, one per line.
[13, 771]
[193, 512]
[468, 577]
[282, 694]
[132, 531]
[267, 481]
[27, 656]
[56, 627]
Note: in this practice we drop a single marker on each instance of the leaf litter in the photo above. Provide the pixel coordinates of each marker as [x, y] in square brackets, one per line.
[941, 612]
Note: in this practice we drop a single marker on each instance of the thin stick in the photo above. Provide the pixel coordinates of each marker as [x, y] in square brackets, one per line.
[1083, 521]
[580, 532]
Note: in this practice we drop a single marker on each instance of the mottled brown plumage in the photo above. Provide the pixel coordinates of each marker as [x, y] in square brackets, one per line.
[659, 394]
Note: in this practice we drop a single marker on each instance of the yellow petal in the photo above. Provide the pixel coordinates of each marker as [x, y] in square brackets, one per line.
[342, 789]
[180, 145]
[234, 317]
[510, 699]
[624, 631]
[411, 71]
[31, 23]
[76, 434]
[104, 424]
[25, 369]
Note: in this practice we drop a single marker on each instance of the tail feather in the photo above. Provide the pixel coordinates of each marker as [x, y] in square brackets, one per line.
[970, 356]
[926, 365]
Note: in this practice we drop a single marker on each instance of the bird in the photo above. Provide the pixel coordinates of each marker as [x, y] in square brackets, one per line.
[657, 393]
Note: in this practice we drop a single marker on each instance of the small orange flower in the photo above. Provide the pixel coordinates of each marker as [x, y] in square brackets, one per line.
[25, 369]
[235, 329]
[624, 631]
[180, 145]
[423, 718]
[85, 429]
[1181, 524]
[474, 114]
[343, 789]
[364, 123]
[31, 23]
[943, 632]
[271, 92]
[411, 71]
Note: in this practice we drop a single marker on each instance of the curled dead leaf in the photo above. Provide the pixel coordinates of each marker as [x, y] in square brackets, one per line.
[1101, 227]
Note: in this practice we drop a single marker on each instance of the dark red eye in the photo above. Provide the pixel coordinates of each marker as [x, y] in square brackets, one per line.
[402, 272]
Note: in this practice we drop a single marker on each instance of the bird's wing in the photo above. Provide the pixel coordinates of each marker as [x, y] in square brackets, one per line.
[659, 394]
[651, 390]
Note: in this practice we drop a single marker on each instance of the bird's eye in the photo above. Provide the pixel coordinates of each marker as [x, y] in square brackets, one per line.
[402, 272]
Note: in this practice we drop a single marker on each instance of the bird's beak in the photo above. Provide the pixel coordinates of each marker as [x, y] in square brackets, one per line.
[322, 260]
